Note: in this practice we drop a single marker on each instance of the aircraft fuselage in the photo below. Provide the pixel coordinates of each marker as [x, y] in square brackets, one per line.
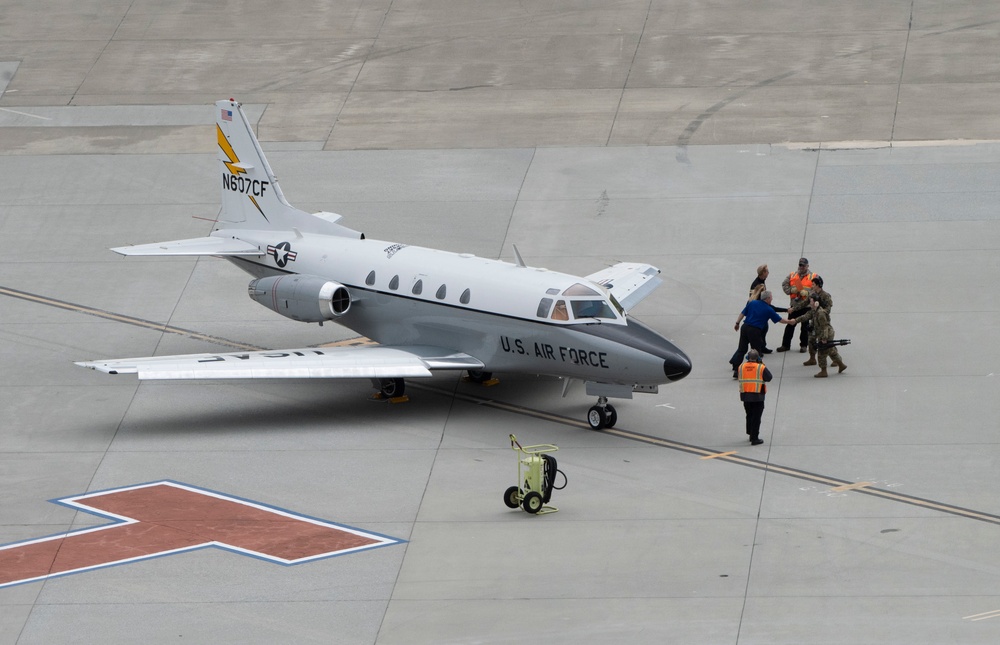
[408, 295]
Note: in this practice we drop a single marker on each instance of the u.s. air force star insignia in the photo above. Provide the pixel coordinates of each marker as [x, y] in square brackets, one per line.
[282, 253]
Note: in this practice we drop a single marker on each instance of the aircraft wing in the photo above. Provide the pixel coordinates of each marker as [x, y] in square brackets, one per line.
[194, 246]
[628, 282]
[311, 362]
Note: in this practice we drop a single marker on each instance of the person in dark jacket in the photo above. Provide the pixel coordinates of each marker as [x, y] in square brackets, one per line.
[754, 376]
[757, 289]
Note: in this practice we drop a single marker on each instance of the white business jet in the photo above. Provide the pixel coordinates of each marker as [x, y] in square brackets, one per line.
[428, 310]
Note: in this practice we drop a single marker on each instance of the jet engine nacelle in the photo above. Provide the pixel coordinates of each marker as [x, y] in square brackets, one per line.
[307, 298]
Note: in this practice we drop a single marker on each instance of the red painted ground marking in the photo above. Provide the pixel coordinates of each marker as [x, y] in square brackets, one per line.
[167, 517]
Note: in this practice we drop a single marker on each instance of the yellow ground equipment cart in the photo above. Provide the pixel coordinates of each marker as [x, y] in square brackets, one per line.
[536, 474]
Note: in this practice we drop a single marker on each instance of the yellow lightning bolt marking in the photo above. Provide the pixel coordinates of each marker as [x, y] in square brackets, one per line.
[228, 149]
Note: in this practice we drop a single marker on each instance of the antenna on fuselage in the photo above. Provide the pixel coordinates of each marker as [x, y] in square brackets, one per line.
[517, 254]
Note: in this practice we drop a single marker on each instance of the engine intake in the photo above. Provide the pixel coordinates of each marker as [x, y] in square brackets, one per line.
[306, 298]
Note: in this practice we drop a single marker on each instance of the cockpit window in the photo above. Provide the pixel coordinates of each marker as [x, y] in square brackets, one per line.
[580, 290]
[592, 309]
[543, 308]
[618, 306]
[560, 312]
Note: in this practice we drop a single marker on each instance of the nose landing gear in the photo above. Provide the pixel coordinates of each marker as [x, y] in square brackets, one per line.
[603, 415]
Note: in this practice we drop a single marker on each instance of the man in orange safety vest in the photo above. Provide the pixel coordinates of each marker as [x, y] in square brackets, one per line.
[753, 375]
[797, 285]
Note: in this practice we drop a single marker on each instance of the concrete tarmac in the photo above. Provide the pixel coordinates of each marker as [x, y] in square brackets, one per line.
[704, 138]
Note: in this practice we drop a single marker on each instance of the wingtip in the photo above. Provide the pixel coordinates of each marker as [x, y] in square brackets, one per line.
[98, 367]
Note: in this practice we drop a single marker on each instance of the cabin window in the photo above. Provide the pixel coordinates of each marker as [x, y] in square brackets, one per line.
[418, 287]
[441, 292]
[370, 280]
[543, 308]
[466, 296]
[592, 309]
[394, 283]
[560, 312]
[580, 290]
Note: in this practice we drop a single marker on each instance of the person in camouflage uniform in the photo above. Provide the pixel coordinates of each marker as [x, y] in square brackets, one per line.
[797, 286]
[825, 303]
[823, 333]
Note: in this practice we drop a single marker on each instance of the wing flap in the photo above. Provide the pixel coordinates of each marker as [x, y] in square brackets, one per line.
[336, 362]
[193, 246]
[628, 282]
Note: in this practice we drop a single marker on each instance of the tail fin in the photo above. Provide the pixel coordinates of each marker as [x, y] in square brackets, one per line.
[251, 197]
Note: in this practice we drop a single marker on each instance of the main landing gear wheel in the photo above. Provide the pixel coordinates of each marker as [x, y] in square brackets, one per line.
[479, 376]
[392, 387]
[602, 415]
[512, 497]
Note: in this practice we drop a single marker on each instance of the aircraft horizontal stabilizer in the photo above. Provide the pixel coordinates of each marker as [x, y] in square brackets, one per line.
[311, 362]
[194, 246]
[628, 282]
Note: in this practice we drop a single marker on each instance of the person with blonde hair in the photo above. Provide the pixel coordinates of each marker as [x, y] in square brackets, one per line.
[757, 289]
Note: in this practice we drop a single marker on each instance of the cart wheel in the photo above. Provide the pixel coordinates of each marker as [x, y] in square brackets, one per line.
[512, 497]
[532, 502]
[596, 418]
[612, 416]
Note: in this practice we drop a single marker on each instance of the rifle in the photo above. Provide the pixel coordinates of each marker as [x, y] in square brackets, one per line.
[832, 343]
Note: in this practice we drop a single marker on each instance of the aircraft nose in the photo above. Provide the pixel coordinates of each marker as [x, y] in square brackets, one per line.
[677, 365]
[638, 336]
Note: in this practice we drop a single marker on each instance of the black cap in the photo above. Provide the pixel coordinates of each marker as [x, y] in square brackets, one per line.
[818, 281]
[803, 261]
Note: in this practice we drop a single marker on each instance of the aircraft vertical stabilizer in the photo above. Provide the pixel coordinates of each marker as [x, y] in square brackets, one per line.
[251, 197]
[250, 193]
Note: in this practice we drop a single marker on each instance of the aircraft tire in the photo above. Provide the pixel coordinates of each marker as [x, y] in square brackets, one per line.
[392, 387]
[512, 496]
[596, 418]
[479, 376]
[532, 502]
[612, 415]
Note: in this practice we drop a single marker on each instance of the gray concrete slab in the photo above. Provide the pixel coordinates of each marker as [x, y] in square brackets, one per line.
[585, 134]
[661, 530]
[436, 75]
